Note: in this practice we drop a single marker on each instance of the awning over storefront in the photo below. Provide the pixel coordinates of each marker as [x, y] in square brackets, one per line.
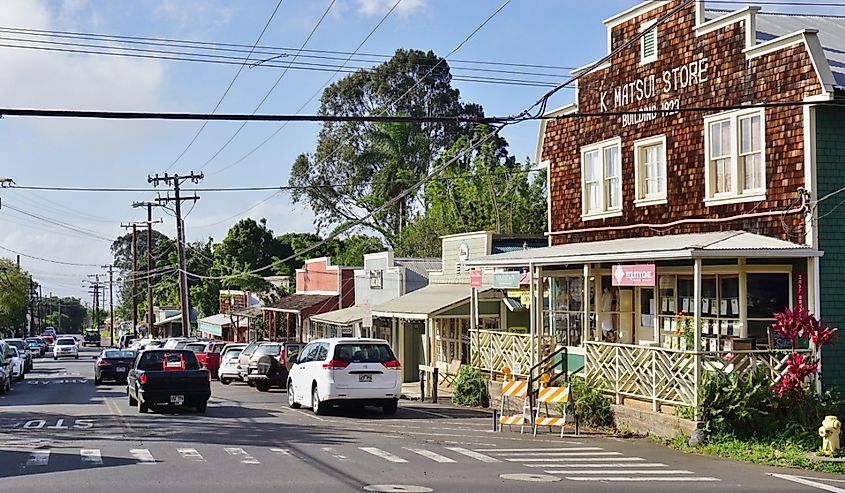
[343, 317]
[424, 302]
[723, 244]
[296, 303]
[168, 320]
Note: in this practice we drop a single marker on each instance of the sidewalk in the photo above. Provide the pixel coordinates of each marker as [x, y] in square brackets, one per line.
[411, 391]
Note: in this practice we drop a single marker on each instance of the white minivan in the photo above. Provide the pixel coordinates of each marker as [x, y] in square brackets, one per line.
[345, 370]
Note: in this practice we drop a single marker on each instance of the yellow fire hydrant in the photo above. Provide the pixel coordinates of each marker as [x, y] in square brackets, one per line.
[829, 432]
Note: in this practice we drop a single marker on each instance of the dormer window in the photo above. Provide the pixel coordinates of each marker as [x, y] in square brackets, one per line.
[648, 43]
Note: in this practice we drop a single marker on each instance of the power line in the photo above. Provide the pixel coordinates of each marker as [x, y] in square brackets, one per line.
[232, 83]
[92, 234]
[52, 261]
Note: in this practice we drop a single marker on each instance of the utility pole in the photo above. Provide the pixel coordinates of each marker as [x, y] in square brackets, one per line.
[176, 181]
[111, 302]
[150, 316]
[134, 227]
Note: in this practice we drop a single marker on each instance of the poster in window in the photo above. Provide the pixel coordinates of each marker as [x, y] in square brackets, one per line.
[685, 305]
[705, 306]
[672, 305]
[723, 307]
[735, 305]
[376, 279]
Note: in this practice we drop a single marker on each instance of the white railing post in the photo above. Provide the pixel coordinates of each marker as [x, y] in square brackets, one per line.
[653, 379]
[696, 343]
[616, 368]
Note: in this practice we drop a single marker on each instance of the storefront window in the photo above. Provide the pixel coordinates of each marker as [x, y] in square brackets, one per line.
[767, 294]
[564, 309]
[719, 311]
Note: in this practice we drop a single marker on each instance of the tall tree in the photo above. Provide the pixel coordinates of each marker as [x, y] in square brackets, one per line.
[164, 255]
[14, 297]
[358, 166]
[65, 312]
[248, 245]
[486, 190]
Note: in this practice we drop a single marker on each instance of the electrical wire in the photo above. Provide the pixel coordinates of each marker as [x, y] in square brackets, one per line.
[92, 234]
[231, 84]
[52, 261]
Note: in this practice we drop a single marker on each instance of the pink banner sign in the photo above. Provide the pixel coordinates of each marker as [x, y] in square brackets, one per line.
[475, 277]
[800, 291]
[634, 275]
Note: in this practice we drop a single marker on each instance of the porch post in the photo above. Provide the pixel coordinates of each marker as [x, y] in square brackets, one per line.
[585, 307]
[541, 327]
[696, 343]
[473, 321]
[532, 313]
[743, 299]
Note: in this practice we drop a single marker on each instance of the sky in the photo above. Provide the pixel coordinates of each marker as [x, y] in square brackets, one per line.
[82, 153]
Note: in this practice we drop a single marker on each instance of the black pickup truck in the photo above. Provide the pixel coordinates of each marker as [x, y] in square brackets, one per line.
[168, 376]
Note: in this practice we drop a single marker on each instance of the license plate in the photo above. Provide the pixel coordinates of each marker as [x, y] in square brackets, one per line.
[365, 378]
[121, 369]
[177, 399]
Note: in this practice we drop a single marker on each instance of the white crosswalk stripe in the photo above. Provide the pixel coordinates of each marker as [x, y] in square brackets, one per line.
[522, 451]
[658, 472]
[603, 464]
[331, 451]
[644, 478]
[473, 454]
[578, 459]
[91, 456]
[280, 451]
[552, 456]
[191, 454]
[142, 455]
[384, 455]
[38, 457]
[242, 454]
[428, 454]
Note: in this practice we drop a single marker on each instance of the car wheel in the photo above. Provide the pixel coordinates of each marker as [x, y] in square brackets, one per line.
[77, 356]
[97, 381]
[55, 358]
[143, 407]
[291, 397]
[251, 383]
[262, 386]
[390, 407]
[317, 406]
[202, 407]
[225, 381]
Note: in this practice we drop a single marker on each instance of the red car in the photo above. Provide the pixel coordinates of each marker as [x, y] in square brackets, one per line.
[208, 354]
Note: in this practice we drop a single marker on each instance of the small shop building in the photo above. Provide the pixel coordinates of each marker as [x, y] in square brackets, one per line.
[688, 199]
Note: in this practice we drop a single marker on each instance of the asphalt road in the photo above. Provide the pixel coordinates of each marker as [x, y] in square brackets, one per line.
[58, 432]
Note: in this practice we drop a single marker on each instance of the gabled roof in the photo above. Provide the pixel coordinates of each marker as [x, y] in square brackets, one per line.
[424, 301]
[344, 316]
[831, 33]
[722, 244]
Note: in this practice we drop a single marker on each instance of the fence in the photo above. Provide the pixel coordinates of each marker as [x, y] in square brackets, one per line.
[670, 376]
[492, 350]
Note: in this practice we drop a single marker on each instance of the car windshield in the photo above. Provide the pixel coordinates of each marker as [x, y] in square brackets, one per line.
[154, 360]
[197, 348]
[33, 343]
[268, 350]
[17, 344]
[15, 353]
[231, 354]
[216, 348]
[66, 342]
[119, 354]
[363, 353]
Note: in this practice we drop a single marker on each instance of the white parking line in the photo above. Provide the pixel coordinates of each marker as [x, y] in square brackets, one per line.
[603, 465]
[555, 455]
[91, 455]
[807, 482]
[519, 451]
[244, 456]
[142, 455]
[628, 471]
[579, 459]
[685, 479]
[473, 454]
[428, 454]
[384, 455]
[38, 458]
[191, 454]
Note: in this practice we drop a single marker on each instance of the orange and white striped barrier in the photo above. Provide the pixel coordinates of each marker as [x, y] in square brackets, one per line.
[515, 388]
[553, 395]
[512, 420]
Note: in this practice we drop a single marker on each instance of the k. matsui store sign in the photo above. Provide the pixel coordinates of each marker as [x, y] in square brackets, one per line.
[654, 94]
[634, 275]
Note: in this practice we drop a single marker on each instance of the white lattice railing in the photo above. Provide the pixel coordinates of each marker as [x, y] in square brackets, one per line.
[668, 376]
[492, 350]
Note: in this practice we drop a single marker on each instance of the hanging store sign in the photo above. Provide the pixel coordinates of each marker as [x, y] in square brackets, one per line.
[366, 315]
[634, 275]
[475, 278]
[506, 280]
[800, 291]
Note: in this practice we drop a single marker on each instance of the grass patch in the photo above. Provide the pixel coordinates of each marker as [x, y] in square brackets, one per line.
[781, 452]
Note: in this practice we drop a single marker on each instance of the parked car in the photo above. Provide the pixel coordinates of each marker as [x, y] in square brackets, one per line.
[65, 346]
[35, 349]
[153, 344]
[243, 360]
[228, 370]
[50, 331]
[42, 344]
[345, 370]
[125, 340]
[5, 367]
[17, 365]
[79, 338]
[270, 363]
[23, 350]
[208, 354]
[168, 376]
[113, 364]
[49, 338]
[92, 337]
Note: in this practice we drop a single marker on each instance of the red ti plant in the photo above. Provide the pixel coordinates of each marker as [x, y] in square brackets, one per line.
[792, 324]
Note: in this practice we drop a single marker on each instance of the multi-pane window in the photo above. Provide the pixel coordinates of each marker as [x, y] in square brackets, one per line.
[735, 163]
[602, 178]
[648, 43]
[650, 170]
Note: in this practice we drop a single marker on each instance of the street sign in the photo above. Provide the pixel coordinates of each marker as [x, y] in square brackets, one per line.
[634, 275]
[475, 278]
[366, 315]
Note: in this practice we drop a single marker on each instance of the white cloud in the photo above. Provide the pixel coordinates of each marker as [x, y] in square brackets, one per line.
[380, 7]
[195, 15]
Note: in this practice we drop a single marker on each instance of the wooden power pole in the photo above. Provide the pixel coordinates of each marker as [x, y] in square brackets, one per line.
[176, 181]
[150, 315]
[111, 302]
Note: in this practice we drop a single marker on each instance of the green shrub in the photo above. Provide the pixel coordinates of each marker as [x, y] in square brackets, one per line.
[470, 388]
[591, 406]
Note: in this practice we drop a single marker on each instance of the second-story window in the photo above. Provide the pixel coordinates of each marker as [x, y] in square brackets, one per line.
[601, 182]
[650, 170]
[648, 43]
[735, 167]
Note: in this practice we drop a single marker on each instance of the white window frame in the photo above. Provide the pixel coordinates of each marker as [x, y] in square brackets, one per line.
[649, 26]
[737, 193]
[642, 199]
[603, 211]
